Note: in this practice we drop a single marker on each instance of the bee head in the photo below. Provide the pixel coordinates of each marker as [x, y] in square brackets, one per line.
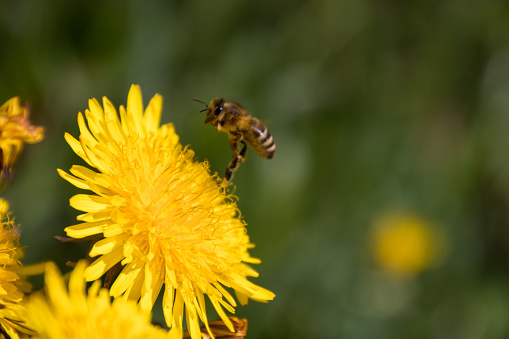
[214, 111]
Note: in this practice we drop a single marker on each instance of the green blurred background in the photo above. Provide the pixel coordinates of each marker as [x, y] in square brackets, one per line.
[374, 106]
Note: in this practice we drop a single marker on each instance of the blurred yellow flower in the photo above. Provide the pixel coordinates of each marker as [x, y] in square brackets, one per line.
[62, 314]
[12, 282]
[162, 215]
[15, 131]
[404, 244]
[4, 207]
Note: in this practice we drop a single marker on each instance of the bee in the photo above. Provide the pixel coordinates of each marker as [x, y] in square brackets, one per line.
[232, 118]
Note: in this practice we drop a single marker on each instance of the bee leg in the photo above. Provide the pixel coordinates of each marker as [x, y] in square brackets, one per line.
[228, 175]
[232, 167]
[237, 158]
[243, 151]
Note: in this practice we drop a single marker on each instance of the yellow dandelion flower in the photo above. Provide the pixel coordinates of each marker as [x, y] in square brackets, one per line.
[15, 131]
[404, 244]
[12, 282]
[162, 215]
[63, 314]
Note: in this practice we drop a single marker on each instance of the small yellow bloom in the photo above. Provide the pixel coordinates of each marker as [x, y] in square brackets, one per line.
[12, 282]
[4, 206]
[62, 314]
[163, 216]
[404, 244]
[15, 131]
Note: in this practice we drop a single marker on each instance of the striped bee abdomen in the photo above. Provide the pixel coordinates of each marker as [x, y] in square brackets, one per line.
[261, 140]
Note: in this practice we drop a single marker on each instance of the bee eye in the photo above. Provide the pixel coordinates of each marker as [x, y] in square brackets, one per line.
[218, 110]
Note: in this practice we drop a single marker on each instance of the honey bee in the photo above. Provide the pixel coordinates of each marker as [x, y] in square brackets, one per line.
[232, 118]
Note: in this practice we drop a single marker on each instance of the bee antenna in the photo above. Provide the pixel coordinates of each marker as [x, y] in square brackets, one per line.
[202, 103]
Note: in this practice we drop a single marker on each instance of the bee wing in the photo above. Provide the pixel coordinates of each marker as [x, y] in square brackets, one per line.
[266, 122]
